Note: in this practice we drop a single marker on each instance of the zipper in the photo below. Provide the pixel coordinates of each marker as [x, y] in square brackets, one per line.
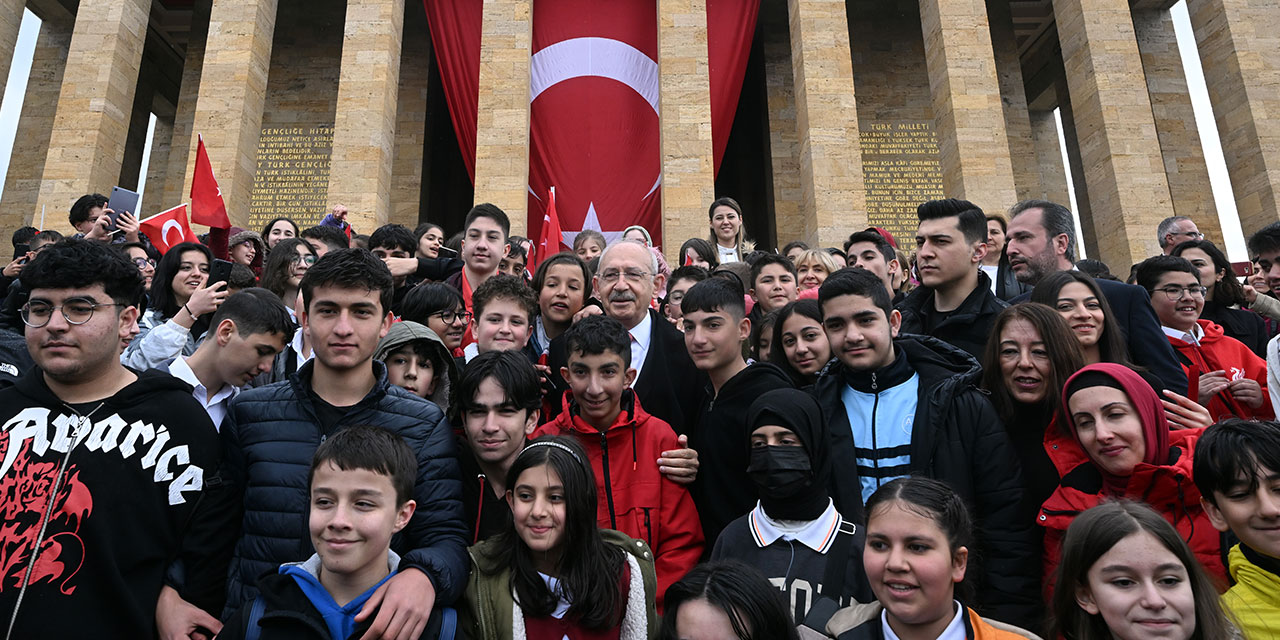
[480, 477]
[648, 527]
[875, 446]
[608, 484]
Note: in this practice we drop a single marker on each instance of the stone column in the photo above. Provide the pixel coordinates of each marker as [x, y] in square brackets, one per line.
[1123, 171]
[411, 122]
[783, 146]
[35, 125]
[94, 103]
[502, 123]
[233, 84]
[967, 108]
[1184, 165]
[185, 111]
[833, 197]
[1052, 174]
[688, 170]
[1013, 99]
[1238, 41]
[10, 23]
[364, 125]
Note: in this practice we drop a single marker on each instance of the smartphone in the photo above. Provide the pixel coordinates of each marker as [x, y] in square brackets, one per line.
[219, 272]
[122, 200]
[1242, 269]
[446, 252]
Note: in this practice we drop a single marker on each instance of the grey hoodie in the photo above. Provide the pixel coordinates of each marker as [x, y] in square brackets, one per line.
[405, 332]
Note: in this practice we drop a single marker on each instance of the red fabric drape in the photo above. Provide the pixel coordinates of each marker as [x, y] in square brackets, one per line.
[455, 36]
[593, 130]
[731, 26]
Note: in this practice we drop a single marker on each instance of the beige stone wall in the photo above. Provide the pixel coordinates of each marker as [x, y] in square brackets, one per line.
[784, 145]
[411, 116]
[688, 180]
[95, 102]
[1013, 100]
[1052, 175]
[1128, 192]
[180, 143]
[967, 107]
[502, 125]
[364, 124]
[35, 125]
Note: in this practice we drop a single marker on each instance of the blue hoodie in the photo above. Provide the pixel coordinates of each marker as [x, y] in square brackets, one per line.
[341, 620]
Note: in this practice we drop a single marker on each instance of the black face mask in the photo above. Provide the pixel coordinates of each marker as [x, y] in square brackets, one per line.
[780, 471]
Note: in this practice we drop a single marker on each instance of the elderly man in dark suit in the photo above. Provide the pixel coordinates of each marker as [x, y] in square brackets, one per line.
[1042, 240]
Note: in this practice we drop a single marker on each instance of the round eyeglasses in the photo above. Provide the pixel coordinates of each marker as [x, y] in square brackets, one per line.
[37, 313]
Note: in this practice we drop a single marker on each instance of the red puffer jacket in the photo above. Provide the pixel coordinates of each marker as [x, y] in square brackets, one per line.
[1167, 488]
[1219, 352]
[633, 496]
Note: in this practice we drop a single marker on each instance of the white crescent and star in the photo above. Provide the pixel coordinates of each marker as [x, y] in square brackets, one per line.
[599, 57]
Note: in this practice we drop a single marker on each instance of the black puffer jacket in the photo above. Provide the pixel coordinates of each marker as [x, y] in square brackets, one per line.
[966, 327]
[269, 437]
[957, 439]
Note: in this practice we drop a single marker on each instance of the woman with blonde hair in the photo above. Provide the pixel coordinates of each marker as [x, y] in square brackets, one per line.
[813, 267]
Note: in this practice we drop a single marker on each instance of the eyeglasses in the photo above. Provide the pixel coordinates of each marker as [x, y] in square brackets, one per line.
[450, 317]
[634, 277]
[143, 263]
[308, 260]
[1174, 292]
[675, 297]
[1190, 234]
[37, 313]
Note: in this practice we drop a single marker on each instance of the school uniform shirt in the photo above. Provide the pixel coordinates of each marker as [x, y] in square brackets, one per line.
[793, 555]
[215, 405]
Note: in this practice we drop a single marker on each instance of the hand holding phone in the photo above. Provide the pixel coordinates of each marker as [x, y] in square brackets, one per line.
[219, 272]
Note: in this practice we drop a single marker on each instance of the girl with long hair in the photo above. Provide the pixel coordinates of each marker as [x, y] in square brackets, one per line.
[1120, 424]
[726, 599]
[725, 217]
[285, 266]
[1225, 295]
[699, 253]
[919, 534]
[172, 326]
[430, 237]
[277, 231]
[562, 283]
[1127, 574]
[800, 345]
[554, 573]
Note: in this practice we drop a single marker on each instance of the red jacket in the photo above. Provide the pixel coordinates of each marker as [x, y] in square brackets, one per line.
[633, 497]
[1219, 352]
[1167, 488]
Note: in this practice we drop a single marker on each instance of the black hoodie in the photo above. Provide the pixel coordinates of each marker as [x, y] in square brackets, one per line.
[132, 479]
[723, 492]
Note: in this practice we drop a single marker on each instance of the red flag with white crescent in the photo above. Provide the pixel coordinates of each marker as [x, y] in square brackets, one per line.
[549, 239]
[593, 129]
[168, 228]
[207, 206]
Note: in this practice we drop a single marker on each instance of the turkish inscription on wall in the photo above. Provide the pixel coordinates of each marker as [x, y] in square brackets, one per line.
[901, 168]
[293, 175]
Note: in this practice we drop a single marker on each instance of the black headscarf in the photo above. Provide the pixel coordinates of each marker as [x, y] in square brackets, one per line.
[798, 412]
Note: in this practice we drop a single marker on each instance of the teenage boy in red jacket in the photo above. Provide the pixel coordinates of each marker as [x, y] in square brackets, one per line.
[624, 444]
[1225, 376]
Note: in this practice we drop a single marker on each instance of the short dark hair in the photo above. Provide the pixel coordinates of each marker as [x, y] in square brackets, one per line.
[794, 244]
[564, 257]
[75, 263]
[1095, 268]
[332, 237]
[242, 278]
[595, 335]
[690, 272]
[515, 251]
[1150, 270]
[504, 287]
[755, 608]
[714, 294]
[23, 235]
[492, 212]
[972, 221]
[80, 210]
[512, 371]
[876, 240]
[349, 269]
[48, 236]
[701, 246]
[1265, 240]
[429, 298]
[370, 448]
[1056, 221]
[393, 236]
[255, 310]
[1229, 454]
[768, 259]
[852, 281]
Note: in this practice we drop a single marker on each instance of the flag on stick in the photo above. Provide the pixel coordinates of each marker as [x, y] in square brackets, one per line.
[549, 238]
[207, 206]
[168, 229]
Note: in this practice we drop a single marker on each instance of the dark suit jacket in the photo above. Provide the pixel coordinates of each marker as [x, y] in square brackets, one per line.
[1148, 346]
[669, 386]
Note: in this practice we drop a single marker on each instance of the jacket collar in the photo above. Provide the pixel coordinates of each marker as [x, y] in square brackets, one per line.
[630, 415]
[816, 534]
[921, 300]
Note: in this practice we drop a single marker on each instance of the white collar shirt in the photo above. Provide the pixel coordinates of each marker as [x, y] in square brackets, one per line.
[215, 405]
[641, 338]
[1193, 337]
[816, 534]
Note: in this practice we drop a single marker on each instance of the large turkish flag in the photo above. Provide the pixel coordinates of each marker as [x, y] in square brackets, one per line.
[594, 116]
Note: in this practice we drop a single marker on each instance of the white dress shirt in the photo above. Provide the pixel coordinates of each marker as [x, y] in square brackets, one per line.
[216, 404]
[641, 337]
[1193, 337]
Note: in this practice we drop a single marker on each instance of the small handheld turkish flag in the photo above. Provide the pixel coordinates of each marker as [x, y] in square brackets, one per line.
[550, 237]
[207, 206]
[168, 228]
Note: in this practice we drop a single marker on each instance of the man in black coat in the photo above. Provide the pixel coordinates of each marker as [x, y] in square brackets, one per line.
[911, 406]
[954, 302]
[1042, 240]
[271, 433]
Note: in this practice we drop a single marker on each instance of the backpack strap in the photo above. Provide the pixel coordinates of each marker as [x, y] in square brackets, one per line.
[253, 630]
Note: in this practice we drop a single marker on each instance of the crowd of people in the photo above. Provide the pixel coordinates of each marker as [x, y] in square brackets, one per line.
[312, 433]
